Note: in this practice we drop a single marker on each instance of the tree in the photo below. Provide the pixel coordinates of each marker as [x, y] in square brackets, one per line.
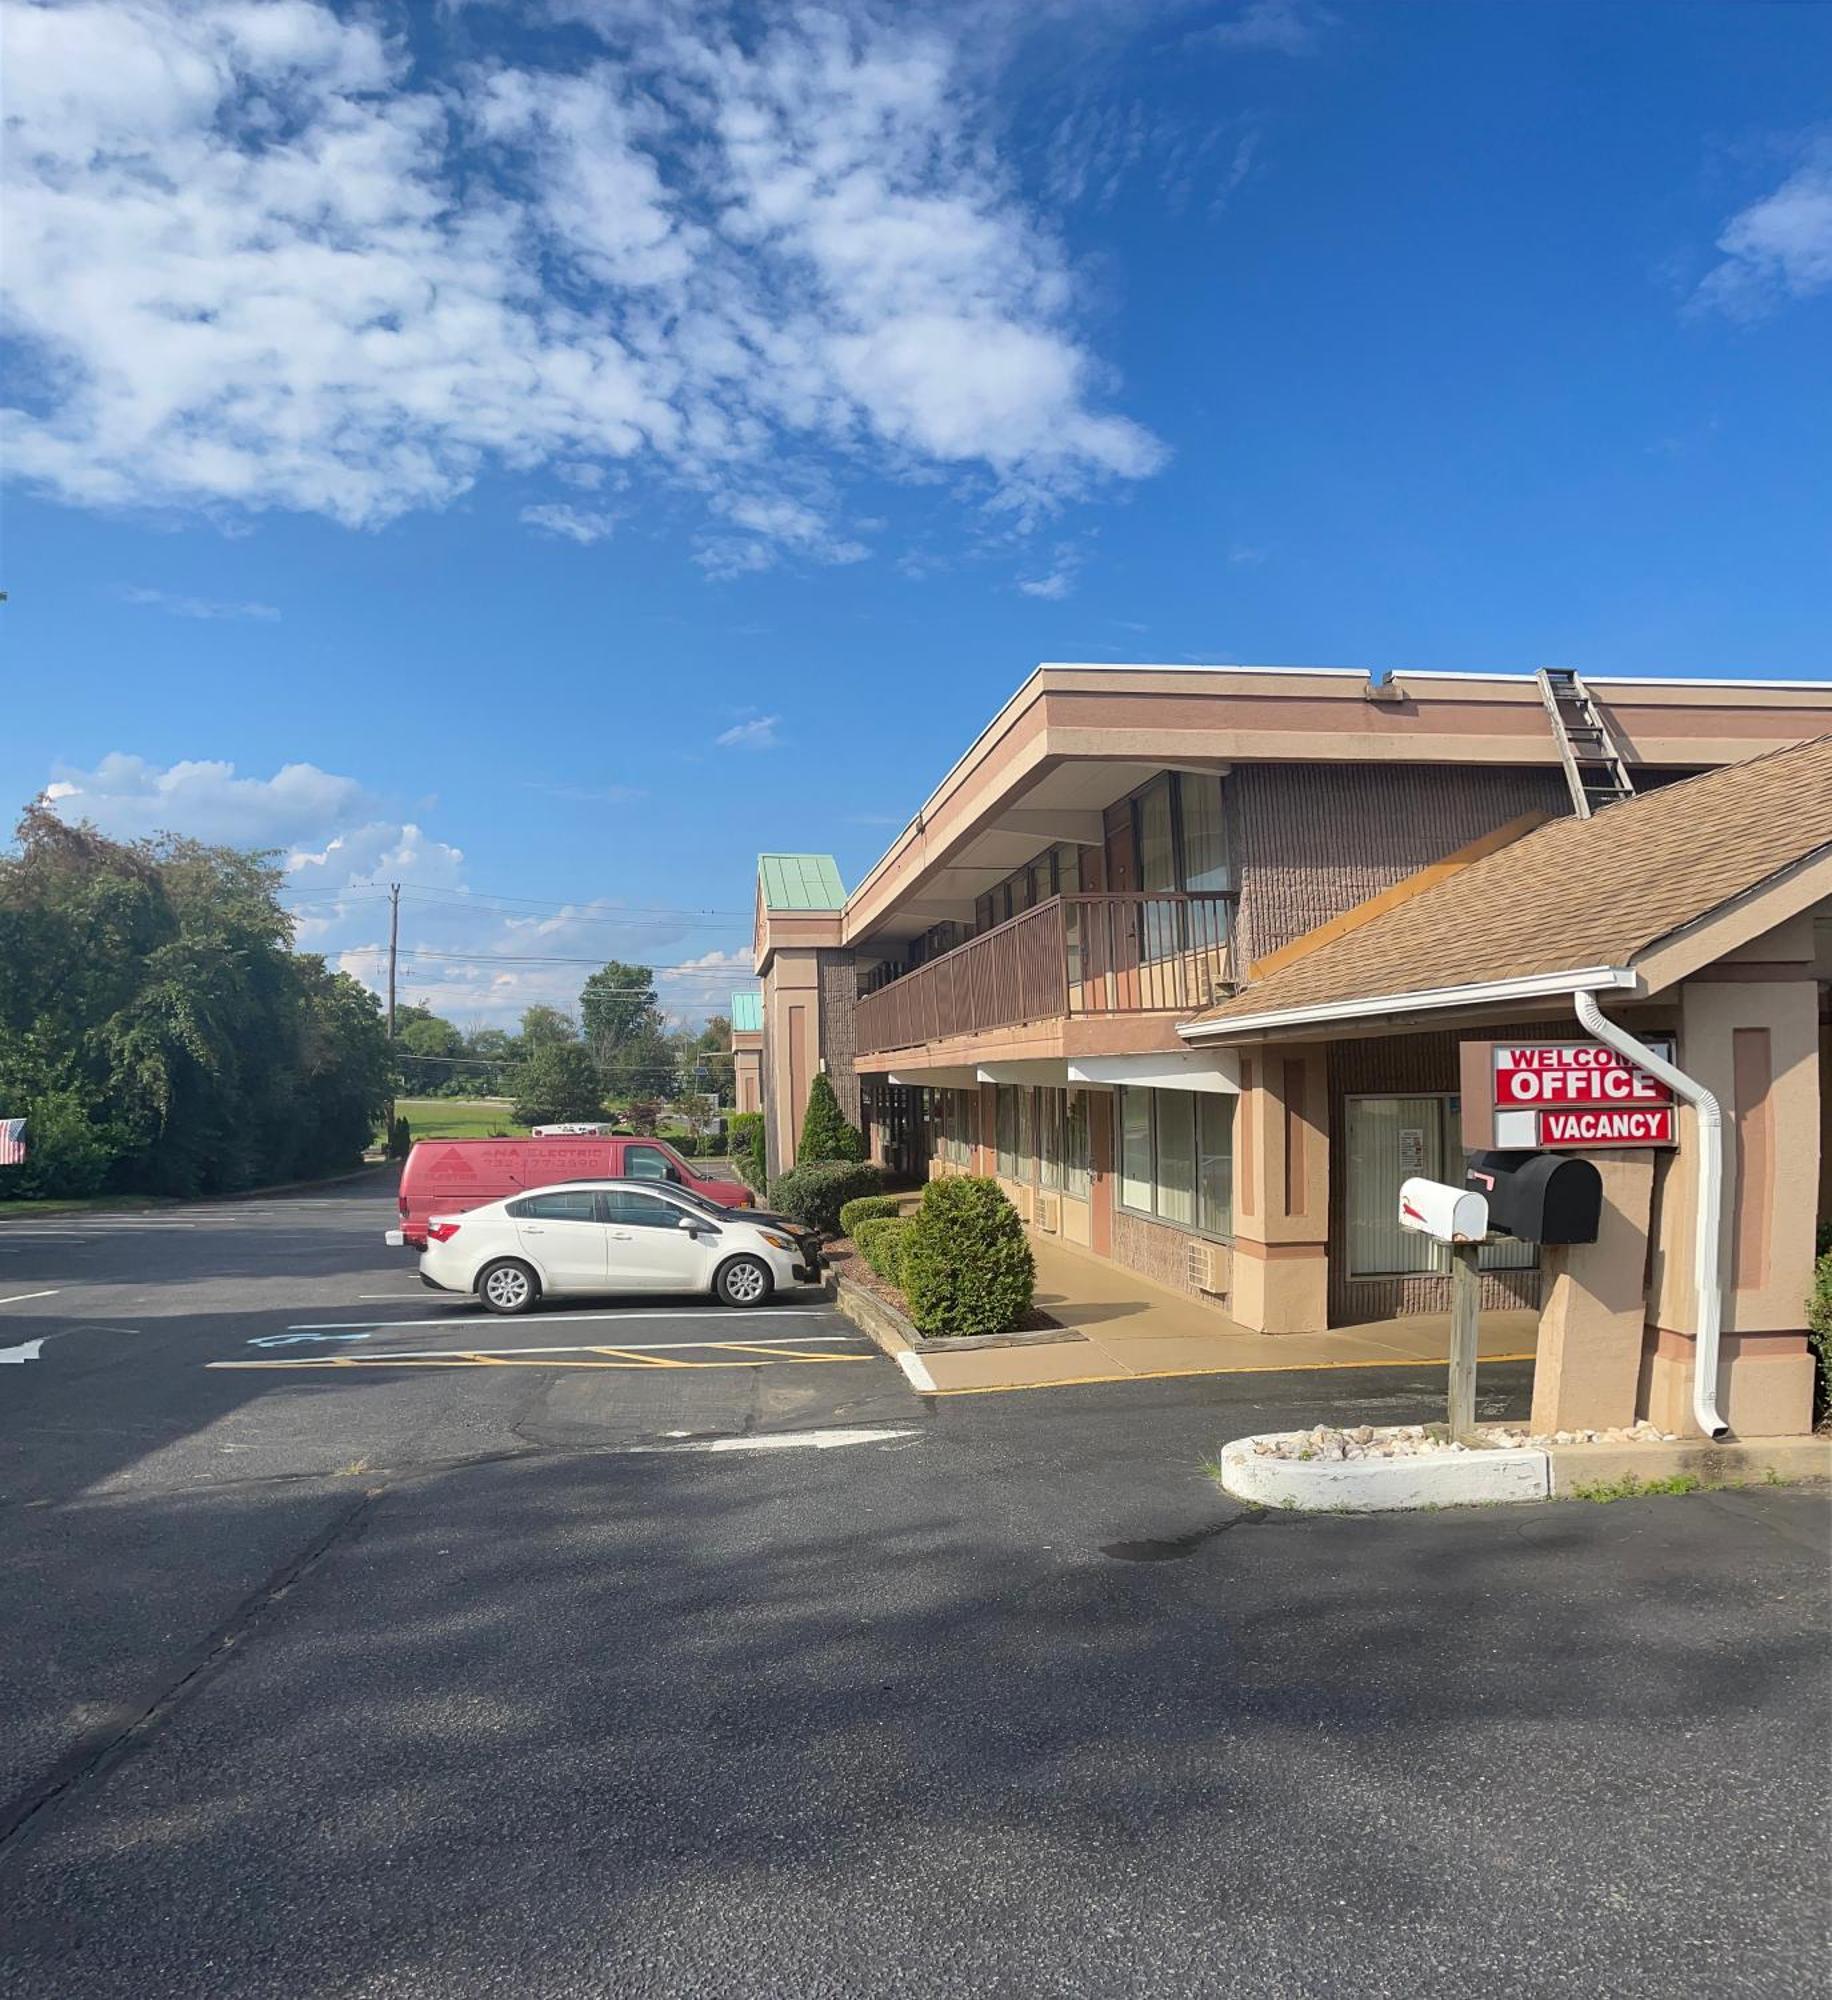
[826, 1134]
[623, 1026]
[494, 1053]
[157, 1031]
[424, 1042]
[545, 1028]
[559, 1086]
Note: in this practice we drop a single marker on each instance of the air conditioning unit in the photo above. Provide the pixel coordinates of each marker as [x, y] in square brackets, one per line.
[1024, 1200]
[1049, 1212]
[1205, 1269]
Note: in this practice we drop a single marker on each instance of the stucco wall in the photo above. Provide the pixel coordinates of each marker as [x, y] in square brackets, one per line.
[1316, 839]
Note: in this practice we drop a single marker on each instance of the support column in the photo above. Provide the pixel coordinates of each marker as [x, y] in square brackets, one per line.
[1588, 1362]
[1280, 1280]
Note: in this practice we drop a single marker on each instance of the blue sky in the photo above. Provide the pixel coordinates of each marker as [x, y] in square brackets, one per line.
[546, 456]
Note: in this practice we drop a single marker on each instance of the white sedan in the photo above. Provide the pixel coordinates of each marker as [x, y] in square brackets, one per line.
[613, 1236]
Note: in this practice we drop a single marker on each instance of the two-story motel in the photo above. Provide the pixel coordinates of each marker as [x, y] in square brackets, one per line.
[1186, 957]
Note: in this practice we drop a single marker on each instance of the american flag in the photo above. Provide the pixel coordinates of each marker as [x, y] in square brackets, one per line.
[12, 1142]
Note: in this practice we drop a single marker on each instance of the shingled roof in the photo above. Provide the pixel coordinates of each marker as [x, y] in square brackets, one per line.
[1575, 894]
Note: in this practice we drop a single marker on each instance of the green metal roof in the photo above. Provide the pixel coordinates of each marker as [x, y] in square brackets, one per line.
[800, 882]
[747, 1013]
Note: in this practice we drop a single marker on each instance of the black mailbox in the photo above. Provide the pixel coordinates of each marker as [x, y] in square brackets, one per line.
[1539, 1197]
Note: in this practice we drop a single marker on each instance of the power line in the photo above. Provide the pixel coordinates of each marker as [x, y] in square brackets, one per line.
[463, 899]
[532, 958]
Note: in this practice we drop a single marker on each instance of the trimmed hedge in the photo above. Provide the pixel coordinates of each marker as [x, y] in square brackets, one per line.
[867, 1208]
[966, 1266]
[744, 1135]
[879, 1239]
[814, 1195]
[826, 1133]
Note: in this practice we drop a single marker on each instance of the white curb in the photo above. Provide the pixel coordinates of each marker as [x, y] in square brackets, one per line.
[1376, 1485]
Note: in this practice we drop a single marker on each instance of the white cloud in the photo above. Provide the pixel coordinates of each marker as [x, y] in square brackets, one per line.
[1057, 584]
[1274, 27]
[1777, 248]
[1246, 555]
[574, 524]
[758, 733]
[471, 956]
[196, 607]
[130, 798]
[258, 258]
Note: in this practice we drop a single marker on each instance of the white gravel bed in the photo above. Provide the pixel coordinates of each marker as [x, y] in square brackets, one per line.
[1377, 1441]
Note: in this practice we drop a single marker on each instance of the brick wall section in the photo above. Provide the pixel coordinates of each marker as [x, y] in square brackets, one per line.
[1161, 1253]
[839, 1042]
[1316, 839]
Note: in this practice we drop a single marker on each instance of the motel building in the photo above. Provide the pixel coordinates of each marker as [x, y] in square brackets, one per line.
[1202, 963]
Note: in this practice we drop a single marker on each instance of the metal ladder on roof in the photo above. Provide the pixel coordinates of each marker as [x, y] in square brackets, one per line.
[1595, 767]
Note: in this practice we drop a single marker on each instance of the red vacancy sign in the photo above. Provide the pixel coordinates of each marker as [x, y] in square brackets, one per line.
[1544, 1096]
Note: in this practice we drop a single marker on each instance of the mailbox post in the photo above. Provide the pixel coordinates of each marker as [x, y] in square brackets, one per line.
[1459, 1218]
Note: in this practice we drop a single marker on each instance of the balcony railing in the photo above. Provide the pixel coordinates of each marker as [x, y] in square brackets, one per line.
[1072, 956]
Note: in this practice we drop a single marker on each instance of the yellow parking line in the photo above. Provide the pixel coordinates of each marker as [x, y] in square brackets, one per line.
[1185, 1374]
[646, 1360]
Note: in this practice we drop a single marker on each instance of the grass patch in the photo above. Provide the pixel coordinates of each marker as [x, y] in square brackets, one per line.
[459, 1118]
[85, 1204]
[1630, 1487]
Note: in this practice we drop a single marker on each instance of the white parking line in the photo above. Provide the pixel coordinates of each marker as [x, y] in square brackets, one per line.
[622, 1347]
[782, 1441]
[551, 1319]
[18, 1296]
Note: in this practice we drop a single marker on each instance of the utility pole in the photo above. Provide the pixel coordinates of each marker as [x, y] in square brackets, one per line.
[394, 946]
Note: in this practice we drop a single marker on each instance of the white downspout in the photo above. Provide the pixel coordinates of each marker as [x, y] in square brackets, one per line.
[1709, 1221]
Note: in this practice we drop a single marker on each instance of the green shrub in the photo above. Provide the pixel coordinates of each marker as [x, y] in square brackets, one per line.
[65, 1153]
[826, 1134]
[815, 1194]
[747, 1149]
[559, 1086]
[867, 1208]
[880, 1240]
[966, 1267]
[1819, 1325]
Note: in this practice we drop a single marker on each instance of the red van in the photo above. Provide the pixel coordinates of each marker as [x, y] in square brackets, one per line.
[446, 1176]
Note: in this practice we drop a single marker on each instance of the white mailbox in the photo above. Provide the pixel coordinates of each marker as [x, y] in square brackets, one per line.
[1451, 1214]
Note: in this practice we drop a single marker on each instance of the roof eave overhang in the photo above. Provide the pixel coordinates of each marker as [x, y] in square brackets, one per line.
[1426, 1000]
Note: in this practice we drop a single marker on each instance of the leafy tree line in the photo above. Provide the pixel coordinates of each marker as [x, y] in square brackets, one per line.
[158, 1032]
[617, 1053]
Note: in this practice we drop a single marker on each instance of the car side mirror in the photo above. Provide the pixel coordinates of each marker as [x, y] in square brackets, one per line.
[695, 1223]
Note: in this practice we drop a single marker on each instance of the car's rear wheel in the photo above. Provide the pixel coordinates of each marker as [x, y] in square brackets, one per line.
[507, 1287]
[745, 1281]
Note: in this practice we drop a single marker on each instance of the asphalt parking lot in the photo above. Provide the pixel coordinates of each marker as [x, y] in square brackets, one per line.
[353, 1644]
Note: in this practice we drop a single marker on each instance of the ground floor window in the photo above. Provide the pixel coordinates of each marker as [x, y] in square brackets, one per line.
[1008, 1132]
[1077, 1159]
[1389, 1140]
[1177, 1157]
[1043, 1138]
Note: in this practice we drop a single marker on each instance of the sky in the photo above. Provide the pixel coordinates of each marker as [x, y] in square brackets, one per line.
[545, 454]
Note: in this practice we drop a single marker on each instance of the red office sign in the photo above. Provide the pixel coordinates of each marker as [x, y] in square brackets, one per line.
[1543, 1096]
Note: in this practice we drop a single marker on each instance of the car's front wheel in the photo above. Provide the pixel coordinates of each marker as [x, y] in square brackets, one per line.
[507, 1287]
[745, 1281]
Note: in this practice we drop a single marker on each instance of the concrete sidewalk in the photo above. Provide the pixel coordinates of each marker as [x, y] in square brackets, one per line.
[1119, 1326]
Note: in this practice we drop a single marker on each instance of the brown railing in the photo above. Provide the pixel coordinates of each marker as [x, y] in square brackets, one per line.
[1074, 955]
